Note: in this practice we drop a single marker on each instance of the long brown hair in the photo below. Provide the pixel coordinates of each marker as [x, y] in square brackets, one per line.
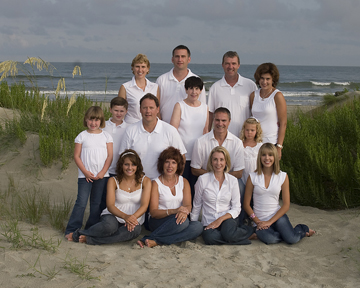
[135, 159]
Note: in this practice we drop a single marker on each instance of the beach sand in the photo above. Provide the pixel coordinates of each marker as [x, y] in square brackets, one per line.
[331, 258]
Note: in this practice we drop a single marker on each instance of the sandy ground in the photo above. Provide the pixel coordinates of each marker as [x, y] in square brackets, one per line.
[331, 258]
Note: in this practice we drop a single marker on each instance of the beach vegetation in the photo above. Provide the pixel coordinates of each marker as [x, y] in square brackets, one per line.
[79, 267]
[322, 157]
[49, 273]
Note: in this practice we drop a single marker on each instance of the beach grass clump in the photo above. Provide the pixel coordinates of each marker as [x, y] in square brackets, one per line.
[59, 213]
[79, 267]
[322, 157]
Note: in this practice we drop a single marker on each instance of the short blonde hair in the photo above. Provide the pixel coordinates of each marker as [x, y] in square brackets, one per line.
[95, 112]
[220, 149]
[140, 58]
[270, 149]
[252, 120]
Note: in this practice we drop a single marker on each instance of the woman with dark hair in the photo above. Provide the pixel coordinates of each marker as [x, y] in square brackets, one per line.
[127, 198]
[268, 105]
[170, 204]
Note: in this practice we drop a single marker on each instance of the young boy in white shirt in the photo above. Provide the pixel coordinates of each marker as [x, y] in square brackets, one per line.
[116, 127]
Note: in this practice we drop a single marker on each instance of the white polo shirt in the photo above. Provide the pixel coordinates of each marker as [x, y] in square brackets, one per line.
[133, 96]
[173, 91]
[117, 133]
[214, 201]
[150, 145]
[236, 99]
[204, 145]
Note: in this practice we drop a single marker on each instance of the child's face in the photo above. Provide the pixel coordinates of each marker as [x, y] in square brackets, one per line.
[250, 131]
[93, 124]
[193, 93]
[118, 113]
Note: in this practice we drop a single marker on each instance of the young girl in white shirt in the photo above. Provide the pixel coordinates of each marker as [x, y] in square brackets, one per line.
[93, 156]
[265, 185]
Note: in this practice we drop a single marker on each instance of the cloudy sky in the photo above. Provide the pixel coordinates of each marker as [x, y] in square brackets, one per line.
[288, 32]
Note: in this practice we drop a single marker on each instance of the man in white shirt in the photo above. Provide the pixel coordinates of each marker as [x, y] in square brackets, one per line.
[233, 92]
[219, 136]
[150, 136]
[171, 84]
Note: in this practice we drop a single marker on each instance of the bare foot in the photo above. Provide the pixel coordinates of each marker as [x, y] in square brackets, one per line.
[150, 243]
[310, 233]
[82, 239]
[253, 237]
[140, 243]
[69, 236]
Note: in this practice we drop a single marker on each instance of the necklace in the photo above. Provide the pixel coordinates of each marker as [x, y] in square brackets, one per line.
[163, 181]
[263, 97]
[129, 185]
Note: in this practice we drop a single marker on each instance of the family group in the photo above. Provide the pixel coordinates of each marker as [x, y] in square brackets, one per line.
[183, 166]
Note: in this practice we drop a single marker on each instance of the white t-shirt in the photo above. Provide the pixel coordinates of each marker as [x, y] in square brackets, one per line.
[150, 145]
[116, 133]
[133, 96]
[266, 200]
[166, 199]
[250, 157]
[127, 203]
[264, 109]
[214, 201]
[192, 124]
[93, 151]
[173, 91]
[236, 99]
[207, 142]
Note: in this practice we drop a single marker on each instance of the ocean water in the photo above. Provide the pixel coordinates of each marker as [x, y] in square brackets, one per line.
[301, 85]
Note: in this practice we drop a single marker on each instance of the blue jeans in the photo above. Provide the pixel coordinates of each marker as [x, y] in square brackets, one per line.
[242, 214]
[282, 230]
[108, 231]
[85, 189]
[228, 233]
[190, 177]
[166, 231]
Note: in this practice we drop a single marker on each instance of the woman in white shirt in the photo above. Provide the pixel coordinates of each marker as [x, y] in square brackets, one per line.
[170, 204]
[265, 185]
[217, 195]
[139, 85]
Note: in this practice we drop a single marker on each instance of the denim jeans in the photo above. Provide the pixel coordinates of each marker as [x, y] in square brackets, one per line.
[166, 231]
[228, 233]
[103, 198]
[190, 177]
[242, 214]
[282, 230]
[85, 189]
[108, 231]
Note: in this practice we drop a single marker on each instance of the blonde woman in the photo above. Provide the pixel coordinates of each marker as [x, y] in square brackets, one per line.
[217, 195]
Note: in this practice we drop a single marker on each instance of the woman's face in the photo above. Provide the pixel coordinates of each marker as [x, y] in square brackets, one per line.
[267, 160]
[266, 81]
[218, 162]
[170, 167]
[129, 168]
[140, 70]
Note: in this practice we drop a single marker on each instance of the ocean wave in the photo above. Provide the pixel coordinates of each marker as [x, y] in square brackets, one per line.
[302, 94]
[87, 93]
[320, 83]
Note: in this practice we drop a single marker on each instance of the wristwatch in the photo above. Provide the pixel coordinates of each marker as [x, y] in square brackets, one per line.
[279, 145]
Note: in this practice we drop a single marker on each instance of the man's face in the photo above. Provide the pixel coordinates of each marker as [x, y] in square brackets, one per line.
[221, 122]
[149, 110]
[231, 66]
[180, 59]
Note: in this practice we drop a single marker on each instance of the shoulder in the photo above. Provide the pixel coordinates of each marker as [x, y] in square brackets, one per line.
[247, 81]
[81, 136]
[107, 136]
[163, 77]
[146, 181]
[216, 84]
[126, 85]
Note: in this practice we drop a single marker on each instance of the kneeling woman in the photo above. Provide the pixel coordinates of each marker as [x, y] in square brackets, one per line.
[127, 199]
[170, 204]
[217, 194]
[264, 185]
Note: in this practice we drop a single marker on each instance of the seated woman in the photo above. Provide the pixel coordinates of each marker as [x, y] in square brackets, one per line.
[264, 185]
[127, 199]
[217, 194]
[170, 204]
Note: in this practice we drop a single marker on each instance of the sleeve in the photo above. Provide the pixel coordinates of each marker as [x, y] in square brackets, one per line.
[235, 197]
[202, 97]
[239, 161]
[197, 203]
[79, 138]
[196, 157]
[109, 138]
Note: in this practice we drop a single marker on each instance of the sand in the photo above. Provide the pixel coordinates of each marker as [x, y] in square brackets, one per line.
[331, 258]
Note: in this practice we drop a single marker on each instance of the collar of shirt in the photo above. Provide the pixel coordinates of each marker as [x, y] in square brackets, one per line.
[133, 83]
[158, 128]
[172, 77]
[229, 136]
[111, 123]
[215, 181]
[223, 82]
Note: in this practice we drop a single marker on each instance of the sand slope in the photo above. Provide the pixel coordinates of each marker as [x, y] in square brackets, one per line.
[329, 259]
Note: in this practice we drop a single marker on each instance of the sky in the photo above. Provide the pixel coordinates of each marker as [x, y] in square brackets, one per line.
[285, 32]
